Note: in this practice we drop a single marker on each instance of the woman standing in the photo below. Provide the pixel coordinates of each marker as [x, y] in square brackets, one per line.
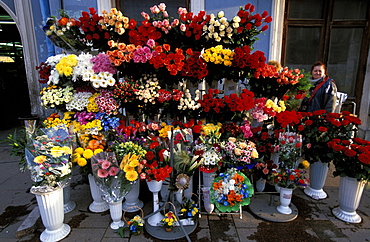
[323, 94]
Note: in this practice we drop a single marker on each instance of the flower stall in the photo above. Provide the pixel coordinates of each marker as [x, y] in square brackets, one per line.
[143, 100]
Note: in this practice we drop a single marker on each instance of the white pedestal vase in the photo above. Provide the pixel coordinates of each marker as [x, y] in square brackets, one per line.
[98, 205]
[155, 187]
[52, 214]
[208, 178]
[285, 199]
[208, 206]
[132, 202]
[68, 204]
[318, 173]
[115, 209]
[350, 193]
[260, 184]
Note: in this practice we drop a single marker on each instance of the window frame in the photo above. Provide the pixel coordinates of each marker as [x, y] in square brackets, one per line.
[326, 24]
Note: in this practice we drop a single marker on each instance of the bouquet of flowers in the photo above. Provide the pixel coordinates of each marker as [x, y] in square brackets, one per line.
[113, 179]
[48, 157]
[351, 157]
[207, 147]
[239, 153]
[230, 190]
[288, 178]
[136, 225]
[289, 149]
[319, 127]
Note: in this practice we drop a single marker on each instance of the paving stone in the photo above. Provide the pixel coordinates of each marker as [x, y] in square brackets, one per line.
[30, 224]
[325, 229]
[85, 234]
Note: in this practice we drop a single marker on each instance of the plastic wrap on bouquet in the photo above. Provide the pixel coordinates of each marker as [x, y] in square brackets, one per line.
[48, 155]
[110, 179]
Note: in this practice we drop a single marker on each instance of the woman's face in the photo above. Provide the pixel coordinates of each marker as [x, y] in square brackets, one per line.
[318, 72]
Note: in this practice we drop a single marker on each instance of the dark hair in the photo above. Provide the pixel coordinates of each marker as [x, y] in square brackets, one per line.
[319, 63]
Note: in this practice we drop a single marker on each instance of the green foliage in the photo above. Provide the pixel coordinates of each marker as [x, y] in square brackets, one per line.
[18, 142]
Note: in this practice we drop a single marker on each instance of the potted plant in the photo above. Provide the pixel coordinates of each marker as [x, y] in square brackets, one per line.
[351, 158]
[136, 225]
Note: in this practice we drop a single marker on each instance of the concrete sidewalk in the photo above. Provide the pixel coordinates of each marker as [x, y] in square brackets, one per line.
[315, 222]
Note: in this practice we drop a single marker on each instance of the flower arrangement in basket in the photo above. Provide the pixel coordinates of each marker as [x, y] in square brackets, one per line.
[189, 209]
[230, 190]
[136, 225]
[48, 154]
[169, 221]
[351, 157]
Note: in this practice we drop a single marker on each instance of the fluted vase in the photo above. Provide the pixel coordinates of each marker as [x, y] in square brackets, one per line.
[318, 173]
[350, 193]
[52, 214]
[99, 204]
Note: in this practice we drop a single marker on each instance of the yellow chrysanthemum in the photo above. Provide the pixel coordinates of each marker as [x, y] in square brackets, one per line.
[82, 161]
[132, 175]
[40, 159]
[79, 150]
[88, 153]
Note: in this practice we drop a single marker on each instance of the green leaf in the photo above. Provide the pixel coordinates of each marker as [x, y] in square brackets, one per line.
[121, 232]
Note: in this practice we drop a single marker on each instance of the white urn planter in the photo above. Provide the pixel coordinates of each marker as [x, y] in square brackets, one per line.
[52, 214]
[68, 204]
[208, 206]
[115, 209]
[132, 202]
[285, 199]
[350, 193]
[99, 204]
[318, 173]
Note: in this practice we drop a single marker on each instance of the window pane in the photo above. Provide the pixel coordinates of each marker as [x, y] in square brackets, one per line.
[345, 47]
[133, 9]
[307, 9]
[354, 9]
[302, 47]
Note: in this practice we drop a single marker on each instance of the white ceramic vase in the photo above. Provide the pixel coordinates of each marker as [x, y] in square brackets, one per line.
[318, 173]
[115, 209]
[52, 214]
[132, 202]
[99, 204]
[156, 217]
[260, 184]
[208, 206]
[285, 199]
[350, 193]
[68, 204]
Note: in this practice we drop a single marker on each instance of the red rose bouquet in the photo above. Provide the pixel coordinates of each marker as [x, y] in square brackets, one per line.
[351, 157]
[319, 127]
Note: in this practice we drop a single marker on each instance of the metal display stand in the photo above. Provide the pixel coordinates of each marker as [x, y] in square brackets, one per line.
[263, 205]
[177, 232]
